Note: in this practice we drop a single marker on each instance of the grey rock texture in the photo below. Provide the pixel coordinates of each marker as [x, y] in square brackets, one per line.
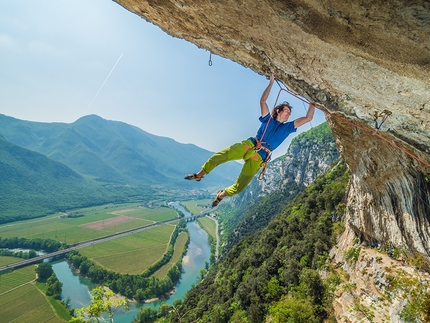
[355, 59]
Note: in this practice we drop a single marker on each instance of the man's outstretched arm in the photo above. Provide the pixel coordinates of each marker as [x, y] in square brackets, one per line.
[263, 105]
[308, 118]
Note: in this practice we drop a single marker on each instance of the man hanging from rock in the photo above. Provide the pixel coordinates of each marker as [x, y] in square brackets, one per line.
[255, 151]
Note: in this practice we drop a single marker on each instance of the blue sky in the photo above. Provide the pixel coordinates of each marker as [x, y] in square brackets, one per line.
[57, 54]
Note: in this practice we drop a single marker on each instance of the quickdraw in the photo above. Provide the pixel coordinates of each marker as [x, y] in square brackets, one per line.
[384, 115]
[210, 59]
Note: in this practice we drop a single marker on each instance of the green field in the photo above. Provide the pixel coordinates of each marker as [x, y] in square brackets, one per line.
[208, 224]
[71, 230]
[19, 294]
[157, 215]
[179, 247]
[134, 253]
[13, 279]
[7, 260]
[196, 207]
[30, 303]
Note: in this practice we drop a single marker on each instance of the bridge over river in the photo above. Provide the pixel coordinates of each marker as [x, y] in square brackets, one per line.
[99, 240]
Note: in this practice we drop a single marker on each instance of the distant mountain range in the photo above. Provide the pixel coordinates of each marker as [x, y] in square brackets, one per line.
[112, 151]
[50, 167]
[32, 185]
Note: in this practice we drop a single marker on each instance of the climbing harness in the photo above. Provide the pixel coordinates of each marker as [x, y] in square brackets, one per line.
[384, 115]
[258, 146]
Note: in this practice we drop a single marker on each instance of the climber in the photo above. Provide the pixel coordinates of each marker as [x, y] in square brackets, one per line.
[255, 151]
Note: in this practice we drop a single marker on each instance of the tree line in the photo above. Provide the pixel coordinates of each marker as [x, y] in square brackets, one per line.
[46, 274]
[18, 254]
[47, 245]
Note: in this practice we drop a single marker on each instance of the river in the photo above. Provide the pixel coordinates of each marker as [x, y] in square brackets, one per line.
[77, 288]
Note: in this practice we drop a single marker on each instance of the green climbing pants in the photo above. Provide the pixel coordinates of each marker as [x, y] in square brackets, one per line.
[243, 150]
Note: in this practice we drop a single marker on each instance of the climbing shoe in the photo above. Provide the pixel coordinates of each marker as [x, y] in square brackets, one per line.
[193, 176]
[217, 199]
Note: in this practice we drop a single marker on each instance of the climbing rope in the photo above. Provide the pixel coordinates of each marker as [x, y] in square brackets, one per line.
[385, 113]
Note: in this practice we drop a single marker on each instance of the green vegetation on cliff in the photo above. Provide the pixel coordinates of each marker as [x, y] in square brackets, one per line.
[275, 271]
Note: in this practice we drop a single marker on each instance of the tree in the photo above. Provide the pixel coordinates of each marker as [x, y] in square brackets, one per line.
[202, 274]
[164, 309]
[292, 310]
[140, 295]
[54, 287]
[32, 254]
[147, 315]
[99, 305]
[44, 271]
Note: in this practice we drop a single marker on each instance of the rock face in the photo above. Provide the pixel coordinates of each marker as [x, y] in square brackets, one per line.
[361, 62]
[377, 288]
[355, 59]
[308, 156]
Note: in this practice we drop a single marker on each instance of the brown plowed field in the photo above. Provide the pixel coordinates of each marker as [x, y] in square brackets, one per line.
[99, 225]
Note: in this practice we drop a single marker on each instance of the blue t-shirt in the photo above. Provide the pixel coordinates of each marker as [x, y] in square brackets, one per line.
[275, 134]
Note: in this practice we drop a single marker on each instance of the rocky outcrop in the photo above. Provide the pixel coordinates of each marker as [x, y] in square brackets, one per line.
[309, 156]
[355, 59]
[374, 287]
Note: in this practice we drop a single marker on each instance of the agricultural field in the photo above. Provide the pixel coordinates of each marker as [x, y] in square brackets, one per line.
[7, 260]
[209, 225]
[19, 294]
[13, 279]
[179, 247]
[133, 253]
[106, 220]
[30, 303]
[130, 254]
[198, 206]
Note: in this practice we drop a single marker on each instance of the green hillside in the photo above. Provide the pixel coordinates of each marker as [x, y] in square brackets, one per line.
[115, 152]
[32, 185]
[272, 276]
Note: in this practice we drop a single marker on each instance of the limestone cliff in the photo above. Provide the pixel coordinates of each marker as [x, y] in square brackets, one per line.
[355, 59]
[360, 61]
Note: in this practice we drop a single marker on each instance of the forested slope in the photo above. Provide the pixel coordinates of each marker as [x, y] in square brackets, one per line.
[274, 272]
